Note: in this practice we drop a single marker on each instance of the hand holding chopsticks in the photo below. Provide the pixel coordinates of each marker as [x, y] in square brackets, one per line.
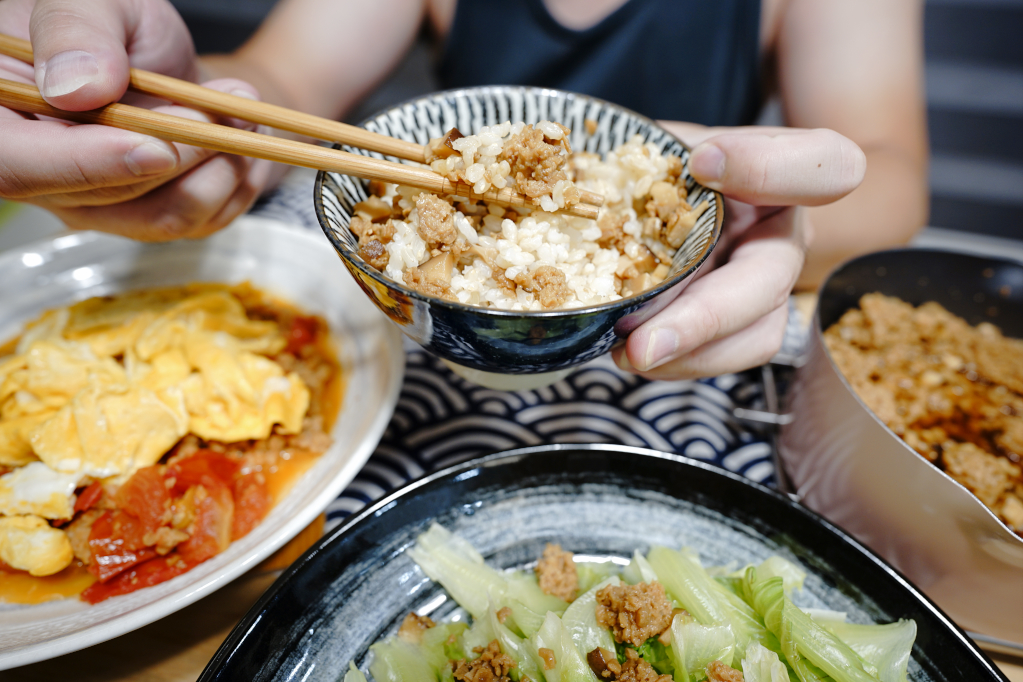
[26, 98]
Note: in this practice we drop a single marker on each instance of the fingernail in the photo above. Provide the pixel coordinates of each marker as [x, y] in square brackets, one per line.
[623, 362]
[243, 93]
[150, 158]
[662, 344]
[66, 72]
[707, 163]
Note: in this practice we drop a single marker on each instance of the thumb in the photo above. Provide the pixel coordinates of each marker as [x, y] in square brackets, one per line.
[81, 60]
[779, 167]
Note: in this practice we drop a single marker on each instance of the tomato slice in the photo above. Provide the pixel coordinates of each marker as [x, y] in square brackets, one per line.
[116, 541]
[211, 529]
[88, 497]
[206, 468]
[151, 572]
[251, 503]
[303, 332]
[145, 497]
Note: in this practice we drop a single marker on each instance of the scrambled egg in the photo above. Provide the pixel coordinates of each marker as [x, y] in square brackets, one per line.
[28, 543]
[109, 385]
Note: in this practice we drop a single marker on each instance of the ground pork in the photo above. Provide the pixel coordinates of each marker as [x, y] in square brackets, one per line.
[365, 229]
[951, 391]
[985, 475]
[556, 573]
[635, 613]
[720, 672]
[611, 232]
[605, 666]
[536, 164]
[491, 666]
[549, 284]
[413, 626]
[436, 220]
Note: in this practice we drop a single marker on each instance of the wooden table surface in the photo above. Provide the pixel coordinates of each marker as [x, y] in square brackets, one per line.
[177, 648]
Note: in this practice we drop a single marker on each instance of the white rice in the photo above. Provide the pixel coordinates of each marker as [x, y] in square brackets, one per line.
[538, 237]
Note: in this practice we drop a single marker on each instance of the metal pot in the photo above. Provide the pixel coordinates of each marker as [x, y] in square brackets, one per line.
[846, 464]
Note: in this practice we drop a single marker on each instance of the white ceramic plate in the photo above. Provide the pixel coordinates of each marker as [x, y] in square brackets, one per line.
[300, 267]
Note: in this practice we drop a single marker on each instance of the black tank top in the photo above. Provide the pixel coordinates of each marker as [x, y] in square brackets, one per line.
[682, 60]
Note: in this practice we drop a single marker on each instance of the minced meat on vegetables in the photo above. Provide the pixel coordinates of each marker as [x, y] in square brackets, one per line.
[635, 613]
[556, 574]
[663, 618]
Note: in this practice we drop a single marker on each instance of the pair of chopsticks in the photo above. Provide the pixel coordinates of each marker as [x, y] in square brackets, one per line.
[26, 98]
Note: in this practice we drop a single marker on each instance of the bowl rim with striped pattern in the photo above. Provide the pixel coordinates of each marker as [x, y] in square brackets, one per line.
[352, 258]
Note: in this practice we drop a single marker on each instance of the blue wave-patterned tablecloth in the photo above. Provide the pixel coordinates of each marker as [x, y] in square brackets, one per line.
[441, 419]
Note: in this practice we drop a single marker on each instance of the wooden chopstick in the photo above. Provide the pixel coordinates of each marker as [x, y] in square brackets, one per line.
[281, 118]
[26, 98]
[213, 101]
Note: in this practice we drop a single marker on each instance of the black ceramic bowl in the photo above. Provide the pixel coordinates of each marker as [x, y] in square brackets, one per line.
[356, 585]
[506, 342]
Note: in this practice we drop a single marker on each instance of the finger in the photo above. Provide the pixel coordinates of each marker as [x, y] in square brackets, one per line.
[694, 134]
[188, 158]
[80, 50]
[179, 209]
[244, 196]
[757, 279]
[691, 134]
[780, 167]
[749, 347]
[46, 157]
[14, 18]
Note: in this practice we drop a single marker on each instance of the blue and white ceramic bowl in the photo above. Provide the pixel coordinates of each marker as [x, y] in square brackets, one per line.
[488, 340]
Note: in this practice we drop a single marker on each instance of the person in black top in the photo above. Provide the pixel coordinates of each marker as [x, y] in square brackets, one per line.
[848, 74]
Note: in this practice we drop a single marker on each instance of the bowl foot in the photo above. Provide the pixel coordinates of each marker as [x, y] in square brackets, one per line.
[507, 382]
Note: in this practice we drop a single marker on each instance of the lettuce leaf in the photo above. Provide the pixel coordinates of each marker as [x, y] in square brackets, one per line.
[887, 647]
[694, 646]
[763, 665]
[354, 674]
[580, 619]
[707, 600]
[399, 661]
[455, 564]
[569, 665]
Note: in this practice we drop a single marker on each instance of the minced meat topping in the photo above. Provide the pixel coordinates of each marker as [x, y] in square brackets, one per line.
[413, 626]
[605, 666]
[491, 666]
[635, 613]
[953, 392]
[720, 672]
[556, 574]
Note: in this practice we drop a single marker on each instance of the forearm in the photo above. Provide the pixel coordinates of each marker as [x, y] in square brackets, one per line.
[322, 56]
[885, 211]
[236, 66]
